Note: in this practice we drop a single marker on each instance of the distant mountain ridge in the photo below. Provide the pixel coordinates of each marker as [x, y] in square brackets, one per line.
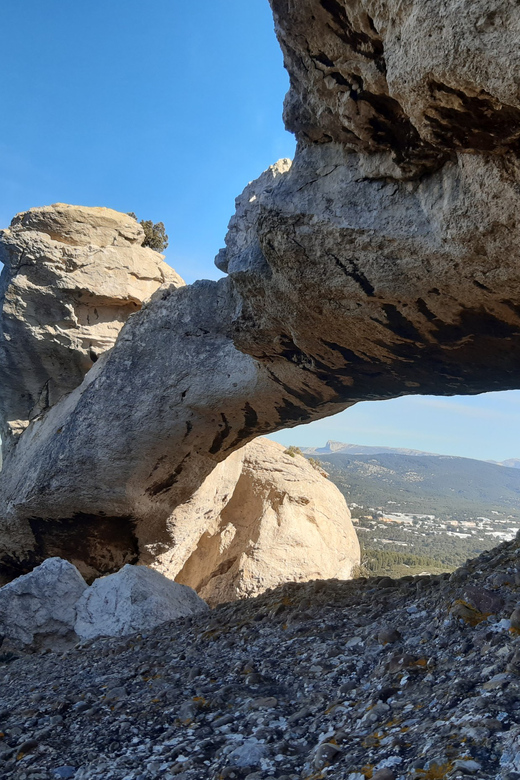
[360, 449]
[443, 507]
[334, 447]
[446, 486]
[510, 463]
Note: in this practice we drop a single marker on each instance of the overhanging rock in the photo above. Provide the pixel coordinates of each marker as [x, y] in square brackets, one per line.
[369, 269]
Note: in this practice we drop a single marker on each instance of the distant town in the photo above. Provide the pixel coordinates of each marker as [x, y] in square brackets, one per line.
[418, 513]
[380, 521]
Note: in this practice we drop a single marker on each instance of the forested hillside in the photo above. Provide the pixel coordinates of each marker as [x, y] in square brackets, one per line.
[417, 513]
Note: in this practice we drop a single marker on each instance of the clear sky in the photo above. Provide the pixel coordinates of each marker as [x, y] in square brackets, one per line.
[168, 109]
[164, 108]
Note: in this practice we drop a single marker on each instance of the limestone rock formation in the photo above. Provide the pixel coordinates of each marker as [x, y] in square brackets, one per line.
[384, 261]
[132, 600]
[262, 518]
[52, 607]
[38, 610]
[413, 81]
[72, 277]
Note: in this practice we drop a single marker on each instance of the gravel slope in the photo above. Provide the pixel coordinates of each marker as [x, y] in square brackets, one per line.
[376, 678]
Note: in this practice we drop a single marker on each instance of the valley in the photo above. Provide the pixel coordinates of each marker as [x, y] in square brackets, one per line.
[420, 512]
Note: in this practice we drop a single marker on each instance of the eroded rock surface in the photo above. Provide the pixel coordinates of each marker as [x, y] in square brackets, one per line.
[414, 81]
[384, 261]
[263, 517]
[72, 277]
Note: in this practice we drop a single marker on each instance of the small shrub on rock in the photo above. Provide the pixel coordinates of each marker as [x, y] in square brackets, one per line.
[155, 233]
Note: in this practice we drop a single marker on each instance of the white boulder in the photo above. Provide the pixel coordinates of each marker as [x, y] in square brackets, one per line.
[134, 599]
[38, 610]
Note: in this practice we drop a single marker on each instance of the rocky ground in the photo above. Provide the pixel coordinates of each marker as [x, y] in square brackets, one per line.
[377, 678]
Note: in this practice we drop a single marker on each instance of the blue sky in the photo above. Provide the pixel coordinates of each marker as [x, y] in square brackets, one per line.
[164, 108]
[168, 109]
[485, 426]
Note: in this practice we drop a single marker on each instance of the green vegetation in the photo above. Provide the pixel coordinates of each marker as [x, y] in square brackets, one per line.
[316, 464]
[451, 488]
[155, 233]
[448, 551]
[390, 563]
[429, 513]
[293, 451]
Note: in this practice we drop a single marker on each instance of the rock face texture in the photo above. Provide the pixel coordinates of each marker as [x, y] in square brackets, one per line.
[134, 599]
[384, 261]
[262, 518]
[72, 277]
[38, 610]
[416, 80]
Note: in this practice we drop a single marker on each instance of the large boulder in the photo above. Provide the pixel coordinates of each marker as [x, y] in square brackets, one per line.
[264, 516]
[134, 599]
[38, 610]
[384, 261]
[72, 277]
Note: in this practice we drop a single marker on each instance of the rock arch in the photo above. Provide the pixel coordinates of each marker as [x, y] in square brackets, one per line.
[384, 261]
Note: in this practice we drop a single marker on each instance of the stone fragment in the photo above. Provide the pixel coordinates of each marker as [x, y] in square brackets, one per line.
[388, 636]
[384, 774]
[498, 681]
[514, 664]
[467, 766]
[502, 578]
[467, 612]
[515, 619]
[325, 755]
[484, 600]
[187, 711]
[386, 582]
[250, 753]
[27, 747]
[38, 610]
[116, 693]
[263, 703]
[135, 599]
[64, 772]
[405, 661]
